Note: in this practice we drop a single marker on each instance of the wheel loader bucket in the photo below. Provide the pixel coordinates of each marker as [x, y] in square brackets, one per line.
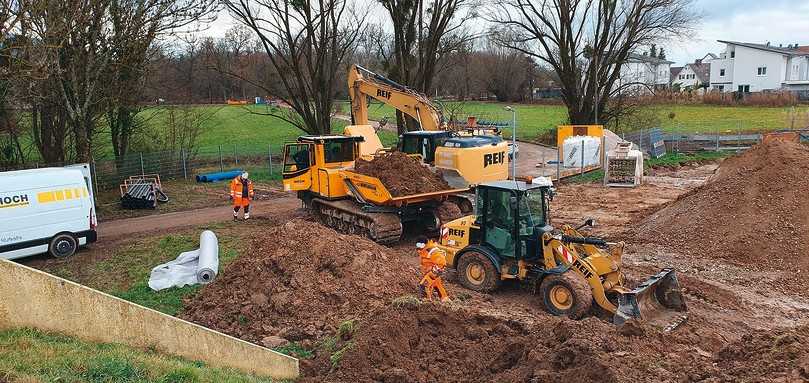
[657, 301]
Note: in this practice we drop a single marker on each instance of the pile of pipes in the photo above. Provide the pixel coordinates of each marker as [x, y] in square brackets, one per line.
[142, 192]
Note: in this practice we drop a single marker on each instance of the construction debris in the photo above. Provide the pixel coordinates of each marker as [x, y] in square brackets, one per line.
[402, 174]
[142, 192]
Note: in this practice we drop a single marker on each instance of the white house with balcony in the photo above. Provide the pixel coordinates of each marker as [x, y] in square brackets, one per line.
[644, 74]
[751, 67]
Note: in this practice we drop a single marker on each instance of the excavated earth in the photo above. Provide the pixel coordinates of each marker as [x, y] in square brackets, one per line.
[402, 174]
[299, 282]
[351, 301]
[753, 212]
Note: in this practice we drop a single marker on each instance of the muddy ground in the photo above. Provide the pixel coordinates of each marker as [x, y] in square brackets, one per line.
[338, 297]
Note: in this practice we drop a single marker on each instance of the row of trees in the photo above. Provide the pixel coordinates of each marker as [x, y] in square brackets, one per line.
[70, 66]
[74, 67]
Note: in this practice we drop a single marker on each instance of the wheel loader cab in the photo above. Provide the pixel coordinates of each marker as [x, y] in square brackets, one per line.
[512, 216]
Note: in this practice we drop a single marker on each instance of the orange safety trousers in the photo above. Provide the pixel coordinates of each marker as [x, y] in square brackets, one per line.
[431, 282]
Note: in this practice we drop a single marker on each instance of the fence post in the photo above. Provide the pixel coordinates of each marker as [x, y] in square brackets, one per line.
[558, 162]
[716, 136]
[236, 155]
[185, 169]
[640, 140]
[582, 157]
[604, 158]
[142, 172]
[221, 166]
[94, 174]
[269, 157]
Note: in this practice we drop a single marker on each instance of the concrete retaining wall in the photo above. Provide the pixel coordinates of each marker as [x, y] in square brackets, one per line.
[31, 298]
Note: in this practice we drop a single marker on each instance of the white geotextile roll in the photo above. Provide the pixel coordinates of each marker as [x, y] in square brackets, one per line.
[208, 265]
[572, 147]
[191, 267]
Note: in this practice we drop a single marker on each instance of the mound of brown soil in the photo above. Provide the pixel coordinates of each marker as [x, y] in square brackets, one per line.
[401, 174]
[435, 343]
[780, 355]
[300, 281]
[753, 211]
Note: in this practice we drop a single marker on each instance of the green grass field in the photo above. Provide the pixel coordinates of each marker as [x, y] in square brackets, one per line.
[28, 355]
[533, 120]
[245, 129]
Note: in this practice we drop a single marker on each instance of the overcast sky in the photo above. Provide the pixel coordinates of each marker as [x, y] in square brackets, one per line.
[757, 21]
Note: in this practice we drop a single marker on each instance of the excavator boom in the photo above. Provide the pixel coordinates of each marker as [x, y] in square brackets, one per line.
[363, 82]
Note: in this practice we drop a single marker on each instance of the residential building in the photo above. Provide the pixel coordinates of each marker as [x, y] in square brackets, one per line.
[751, 67]
[695, 76]
[643, 73]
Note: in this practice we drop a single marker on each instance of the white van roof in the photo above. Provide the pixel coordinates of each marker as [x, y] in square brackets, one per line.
[37, 178]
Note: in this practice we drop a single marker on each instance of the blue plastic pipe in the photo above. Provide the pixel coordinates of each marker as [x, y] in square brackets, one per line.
[219, 176]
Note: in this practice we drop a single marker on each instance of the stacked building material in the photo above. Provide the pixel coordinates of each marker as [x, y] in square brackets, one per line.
[142, 192]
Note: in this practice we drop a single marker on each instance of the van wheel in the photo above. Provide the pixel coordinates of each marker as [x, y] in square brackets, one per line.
[63, 246]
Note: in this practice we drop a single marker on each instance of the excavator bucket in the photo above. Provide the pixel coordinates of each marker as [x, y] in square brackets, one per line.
[454, 179]
[657, 301]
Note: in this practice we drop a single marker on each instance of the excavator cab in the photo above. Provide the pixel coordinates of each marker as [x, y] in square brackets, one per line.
[423, 143]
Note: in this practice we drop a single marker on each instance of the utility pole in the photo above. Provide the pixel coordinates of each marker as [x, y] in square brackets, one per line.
[513, 142]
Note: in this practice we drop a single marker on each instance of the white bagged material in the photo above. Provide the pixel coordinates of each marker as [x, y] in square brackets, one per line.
[191, 267]
[572, 147]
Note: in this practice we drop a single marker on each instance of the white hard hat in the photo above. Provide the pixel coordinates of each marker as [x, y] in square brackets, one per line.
[245, 175]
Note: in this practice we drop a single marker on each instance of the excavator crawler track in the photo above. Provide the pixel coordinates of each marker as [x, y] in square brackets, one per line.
[348, 217]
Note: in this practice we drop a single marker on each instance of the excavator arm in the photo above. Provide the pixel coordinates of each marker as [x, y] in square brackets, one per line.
[363, 83]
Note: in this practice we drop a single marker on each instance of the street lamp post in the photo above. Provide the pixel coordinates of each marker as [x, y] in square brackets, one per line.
[513, 141]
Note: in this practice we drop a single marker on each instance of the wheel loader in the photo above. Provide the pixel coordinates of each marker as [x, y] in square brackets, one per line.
[509, 237]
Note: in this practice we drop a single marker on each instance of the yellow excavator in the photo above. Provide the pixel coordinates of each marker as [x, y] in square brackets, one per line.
[510, 238]
[320, 170]
[466, 159]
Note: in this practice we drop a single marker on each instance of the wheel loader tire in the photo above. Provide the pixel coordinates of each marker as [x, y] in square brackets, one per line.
[476, 272]
[567, 294]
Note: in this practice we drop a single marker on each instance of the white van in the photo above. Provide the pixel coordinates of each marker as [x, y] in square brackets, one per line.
[47, 210]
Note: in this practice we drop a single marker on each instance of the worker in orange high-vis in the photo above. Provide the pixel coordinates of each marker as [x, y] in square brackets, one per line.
[241, 192]
[433, 261]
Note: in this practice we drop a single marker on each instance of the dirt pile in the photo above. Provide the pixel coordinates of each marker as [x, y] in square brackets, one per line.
[431, 343]
[754, 211]
[779, 355]
[401, 174]
[300, 281]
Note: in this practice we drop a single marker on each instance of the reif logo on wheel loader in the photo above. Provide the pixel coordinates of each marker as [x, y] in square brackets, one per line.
[493, 158]
[17, 200]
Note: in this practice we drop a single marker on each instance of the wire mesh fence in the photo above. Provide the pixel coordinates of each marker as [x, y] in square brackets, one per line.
[263, 165]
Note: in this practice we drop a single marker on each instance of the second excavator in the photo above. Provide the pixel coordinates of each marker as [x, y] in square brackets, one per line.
[466, 159]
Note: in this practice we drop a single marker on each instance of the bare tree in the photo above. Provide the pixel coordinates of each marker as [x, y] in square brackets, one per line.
[306, 42]
[424, 32]
[587, 41]
[135, 27]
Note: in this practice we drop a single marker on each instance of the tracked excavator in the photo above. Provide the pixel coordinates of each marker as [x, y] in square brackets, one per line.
[320, 170]
[510, 238]
[467, 158]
